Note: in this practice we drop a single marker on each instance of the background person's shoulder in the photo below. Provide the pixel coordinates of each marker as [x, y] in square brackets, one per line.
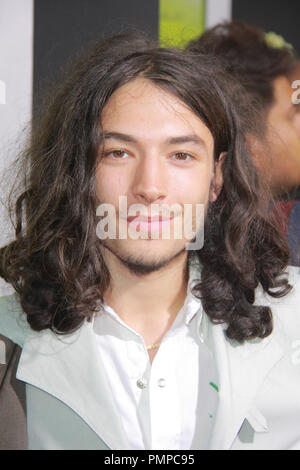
[13, 323]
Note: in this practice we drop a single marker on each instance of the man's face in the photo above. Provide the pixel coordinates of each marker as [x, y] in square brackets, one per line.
[282, 162]
[156, 151]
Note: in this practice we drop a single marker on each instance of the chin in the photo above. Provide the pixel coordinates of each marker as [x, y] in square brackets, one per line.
[146, 256]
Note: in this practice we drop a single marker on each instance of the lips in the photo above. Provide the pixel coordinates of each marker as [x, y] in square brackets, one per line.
[149, 224]
[147, 219]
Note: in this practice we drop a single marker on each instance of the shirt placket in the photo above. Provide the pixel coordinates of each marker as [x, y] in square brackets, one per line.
[164, 402]
[139, 369]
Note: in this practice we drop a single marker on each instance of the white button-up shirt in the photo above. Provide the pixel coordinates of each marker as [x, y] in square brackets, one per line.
[171, 403]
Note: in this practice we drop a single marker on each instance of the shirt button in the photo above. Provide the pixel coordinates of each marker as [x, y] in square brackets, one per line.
[161, 383]
[142, 383]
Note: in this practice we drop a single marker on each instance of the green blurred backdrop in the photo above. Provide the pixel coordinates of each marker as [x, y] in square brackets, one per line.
[180, 21]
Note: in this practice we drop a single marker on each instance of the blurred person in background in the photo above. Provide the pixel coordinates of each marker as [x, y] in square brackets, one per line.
[293, 207]
[266, 66]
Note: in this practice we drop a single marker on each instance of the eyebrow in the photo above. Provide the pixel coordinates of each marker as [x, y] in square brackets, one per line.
[119, 136]
[183, 139]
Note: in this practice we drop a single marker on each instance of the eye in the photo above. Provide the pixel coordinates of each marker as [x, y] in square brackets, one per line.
[116, 154]
[181, 156]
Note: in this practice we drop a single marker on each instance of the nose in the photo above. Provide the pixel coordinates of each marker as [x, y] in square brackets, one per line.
[150, 182]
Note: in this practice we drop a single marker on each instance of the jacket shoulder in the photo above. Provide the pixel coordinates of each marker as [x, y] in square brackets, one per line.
[292, 299]
[13, 323]
[292, 274]
[13, 429]
[286, 309]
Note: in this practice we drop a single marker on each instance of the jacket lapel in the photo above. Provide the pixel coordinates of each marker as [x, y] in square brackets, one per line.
[70, 368]
[241, 370]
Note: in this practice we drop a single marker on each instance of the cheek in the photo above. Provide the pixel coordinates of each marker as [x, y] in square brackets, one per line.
[193, 187]
[297, 122]
[283, 131]
[287, 140]
[109, 186]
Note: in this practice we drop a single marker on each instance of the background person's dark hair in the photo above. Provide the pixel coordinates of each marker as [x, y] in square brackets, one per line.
[247, 55]
[55, 262]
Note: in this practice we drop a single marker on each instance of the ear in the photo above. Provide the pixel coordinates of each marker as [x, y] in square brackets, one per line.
[217, 179]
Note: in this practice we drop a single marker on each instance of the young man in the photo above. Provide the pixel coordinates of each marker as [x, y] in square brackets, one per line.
[148, 342]
[266, 66]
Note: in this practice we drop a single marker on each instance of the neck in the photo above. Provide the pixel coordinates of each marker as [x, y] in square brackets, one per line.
[148, 303]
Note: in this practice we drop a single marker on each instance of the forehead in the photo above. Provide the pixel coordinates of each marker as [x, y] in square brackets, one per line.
[142, 108]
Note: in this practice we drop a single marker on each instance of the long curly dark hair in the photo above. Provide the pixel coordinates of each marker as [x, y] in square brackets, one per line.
[55, 263]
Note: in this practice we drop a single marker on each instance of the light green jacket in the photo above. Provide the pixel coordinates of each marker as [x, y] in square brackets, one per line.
[70, 404]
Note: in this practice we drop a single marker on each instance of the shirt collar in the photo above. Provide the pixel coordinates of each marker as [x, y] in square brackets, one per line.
[192, 304]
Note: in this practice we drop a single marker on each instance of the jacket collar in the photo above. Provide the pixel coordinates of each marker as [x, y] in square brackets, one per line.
[242, 369]
[69, 367]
